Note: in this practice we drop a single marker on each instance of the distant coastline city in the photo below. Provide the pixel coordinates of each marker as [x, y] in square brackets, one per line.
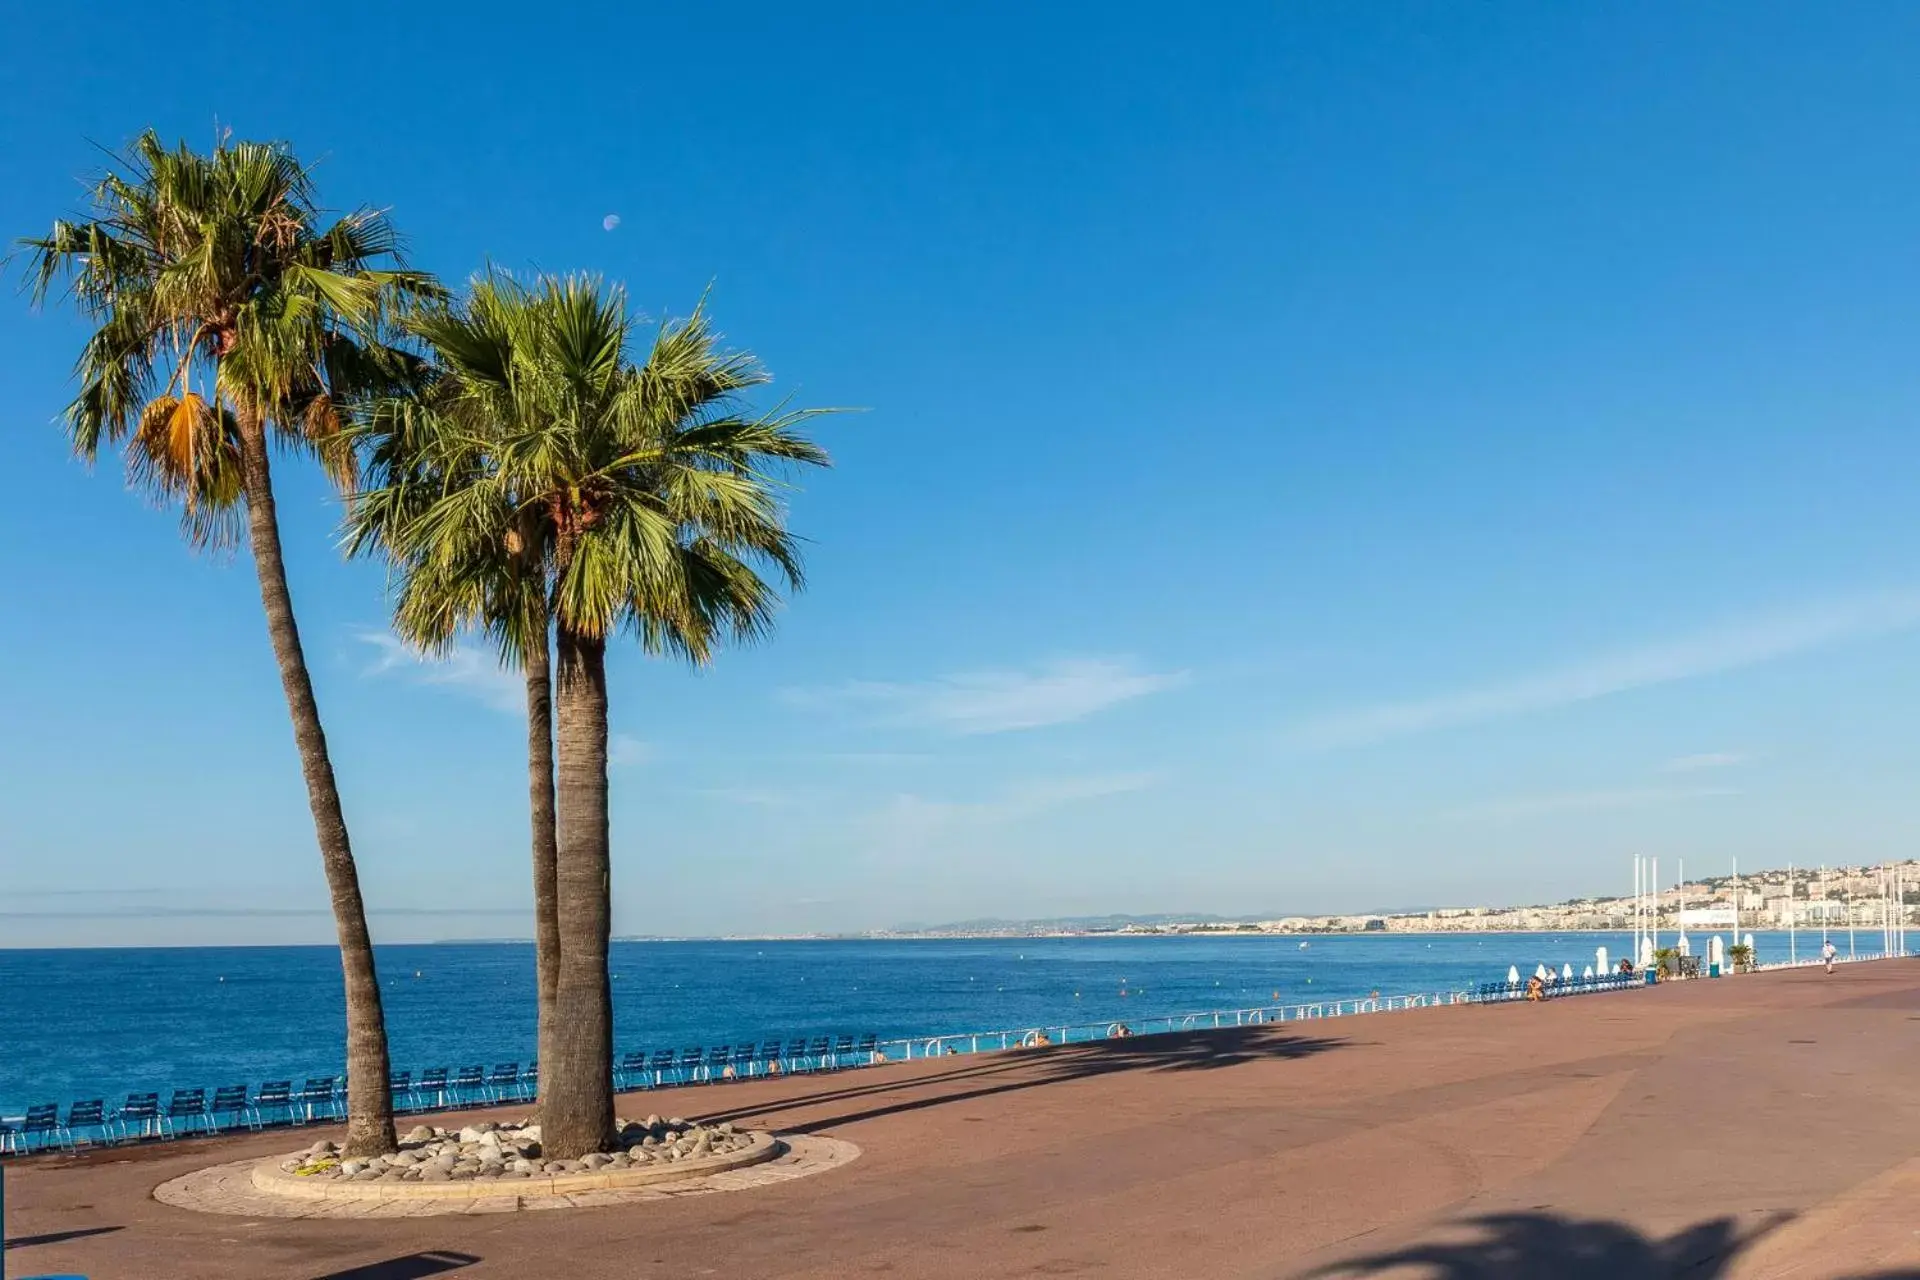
[1859, 897]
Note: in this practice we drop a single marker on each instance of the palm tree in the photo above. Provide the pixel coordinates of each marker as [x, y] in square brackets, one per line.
[634, 497]
[490, 571]
[218, 268]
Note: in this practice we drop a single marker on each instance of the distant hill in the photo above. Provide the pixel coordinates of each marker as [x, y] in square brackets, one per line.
[1078, 924]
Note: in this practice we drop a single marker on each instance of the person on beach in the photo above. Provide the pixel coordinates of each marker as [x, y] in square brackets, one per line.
[1536, 989]
[1827, 952]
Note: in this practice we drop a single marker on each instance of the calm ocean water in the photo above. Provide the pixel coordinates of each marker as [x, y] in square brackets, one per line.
[98, 1023]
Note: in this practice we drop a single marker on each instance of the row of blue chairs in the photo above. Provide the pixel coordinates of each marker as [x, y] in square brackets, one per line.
[188, 1111]
[279, 1104]
[694, 1065]
[1499, 992]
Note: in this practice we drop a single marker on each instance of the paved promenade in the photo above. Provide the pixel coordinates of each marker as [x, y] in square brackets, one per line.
[1764, 1126]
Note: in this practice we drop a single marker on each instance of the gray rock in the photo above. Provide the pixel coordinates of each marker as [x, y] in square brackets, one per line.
[435, 1173]
[470, 1134]
[726, 1126]
[419, 1133]
[652, 1122]
[351, 1167]
[403, 1159]
[365, 1175]
[595, 1160]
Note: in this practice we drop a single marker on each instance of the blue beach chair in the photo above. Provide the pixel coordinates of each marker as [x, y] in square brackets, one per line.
[470, 1086]
[820, 1052]
[433, 1088]
[718, 1058]
[796, 1055]
[662, 1065]
[87, 1117]
[842, 1051]
[187, 1108]
[317, 1100]
[400, 1085]
[43, 1121]
[504, 1084]
[690, 1062]
[743, 1058]
[275, 1095]
[530, 1081]
[868, 1046]
[632, 1072]
[770, 1057]
[142, 1109]
[229, 1100]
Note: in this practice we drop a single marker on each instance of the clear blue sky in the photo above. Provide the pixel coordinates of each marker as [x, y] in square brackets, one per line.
[1337, 457]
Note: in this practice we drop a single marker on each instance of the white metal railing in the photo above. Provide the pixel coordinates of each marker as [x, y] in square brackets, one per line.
[1052, 1033]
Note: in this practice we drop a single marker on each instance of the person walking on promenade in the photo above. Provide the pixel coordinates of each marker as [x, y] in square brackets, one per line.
[1828, 952]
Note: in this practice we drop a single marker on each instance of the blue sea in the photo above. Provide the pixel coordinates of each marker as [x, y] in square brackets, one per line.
[99, 1023]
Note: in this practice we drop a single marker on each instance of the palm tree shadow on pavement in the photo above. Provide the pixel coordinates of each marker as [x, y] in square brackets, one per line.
[414, 1266]
[1015, 1070]
[1547, 1246]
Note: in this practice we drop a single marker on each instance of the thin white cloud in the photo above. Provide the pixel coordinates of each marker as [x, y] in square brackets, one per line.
[1516, 807]
[467, 672]
[625, 750]
[981, 702]
[1704, 760]
[909, 819]
[1727, 648]
[758, 797]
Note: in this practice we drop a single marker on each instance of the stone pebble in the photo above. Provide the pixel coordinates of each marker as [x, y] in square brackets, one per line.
[491, 1151]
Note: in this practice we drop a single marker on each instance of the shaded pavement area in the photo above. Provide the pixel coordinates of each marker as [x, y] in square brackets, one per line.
[1764, 1126]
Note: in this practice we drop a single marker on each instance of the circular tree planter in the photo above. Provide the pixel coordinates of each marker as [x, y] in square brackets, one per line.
[268, 1176]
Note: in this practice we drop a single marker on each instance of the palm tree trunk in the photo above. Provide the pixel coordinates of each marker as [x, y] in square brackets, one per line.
[576, 1081]
[369, 1088]
[546, 919]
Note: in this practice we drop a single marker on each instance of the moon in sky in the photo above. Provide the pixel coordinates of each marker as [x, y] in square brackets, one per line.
[609, 222]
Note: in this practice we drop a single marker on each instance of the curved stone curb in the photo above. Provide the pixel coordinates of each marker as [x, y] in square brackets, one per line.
[230, 1188]
[269, 1177]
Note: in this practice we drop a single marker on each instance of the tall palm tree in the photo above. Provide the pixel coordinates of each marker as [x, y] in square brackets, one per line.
[546, 478]
[218, 270]
[489, 572]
